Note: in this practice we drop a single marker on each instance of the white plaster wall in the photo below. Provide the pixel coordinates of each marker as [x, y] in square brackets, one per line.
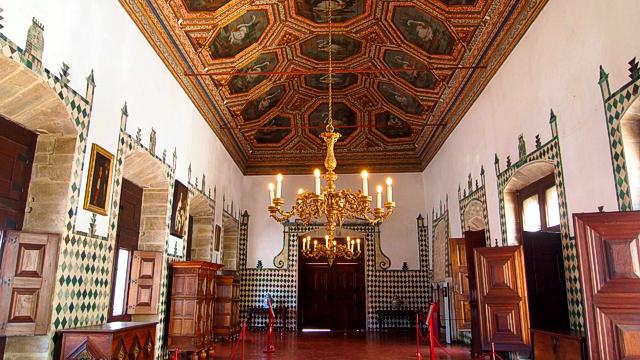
[554, 66]
[399, 234]
[100, 35]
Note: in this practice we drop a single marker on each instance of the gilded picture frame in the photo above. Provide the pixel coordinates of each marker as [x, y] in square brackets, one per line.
[98, 187]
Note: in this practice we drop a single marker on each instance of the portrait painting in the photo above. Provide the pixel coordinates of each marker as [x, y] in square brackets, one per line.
[216, 242]
[342, 47]
[339, 81]
[392, 126]
[258, 107]
[318, 10]
[98, 190]
[205, 5]
[239, 34]
[417, 73]
[244, 83]
[274, 130]
[423, 30]
[400, 98]
[344, 120]
[179, 211]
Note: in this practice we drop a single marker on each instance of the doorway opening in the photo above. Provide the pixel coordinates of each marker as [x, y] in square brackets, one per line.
[331, 297]
[536, 215]
[230, 241]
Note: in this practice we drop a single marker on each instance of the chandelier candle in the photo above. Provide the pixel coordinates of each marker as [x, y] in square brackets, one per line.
[271, 194]
[316, 174]
[365, 182]
[389, 190]
[279, 186]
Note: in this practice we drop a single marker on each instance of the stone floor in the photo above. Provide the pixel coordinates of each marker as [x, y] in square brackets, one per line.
[333, 346]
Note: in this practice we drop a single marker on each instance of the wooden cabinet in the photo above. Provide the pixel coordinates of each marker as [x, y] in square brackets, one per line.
[227, 305]
[608, 247]
[193, 292]
[549, 345]
[116, 340]
[26, 282]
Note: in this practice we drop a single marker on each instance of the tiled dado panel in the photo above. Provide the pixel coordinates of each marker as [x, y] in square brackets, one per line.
[412, 286]
[615, 106]
[549, 151]
[441, 263]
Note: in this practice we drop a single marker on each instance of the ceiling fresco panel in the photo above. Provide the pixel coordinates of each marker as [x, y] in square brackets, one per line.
[318, 10]
[344, 120]
[258, 107]
[273, 132]
[342, 47]
[392, 126]
[422, 79]
[205, 5]
[239, 34]
[423, 30]
[244, 83]
[400, 98]
[340, 81]
[402, 66]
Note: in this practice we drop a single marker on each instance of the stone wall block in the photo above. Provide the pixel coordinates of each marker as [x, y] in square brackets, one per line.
[45, 144]
[65, 145]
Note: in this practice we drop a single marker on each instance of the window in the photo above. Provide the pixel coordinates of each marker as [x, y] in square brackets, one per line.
[538, 206]
[121, 283]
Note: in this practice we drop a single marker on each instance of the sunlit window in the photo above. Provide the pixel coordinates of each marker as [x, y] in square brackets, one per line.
[120, 288]
[552, 207]
[531, 214]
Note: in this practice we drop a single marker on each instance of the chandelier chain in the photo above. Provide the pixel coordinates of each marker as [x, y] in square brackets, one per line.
[330, 115]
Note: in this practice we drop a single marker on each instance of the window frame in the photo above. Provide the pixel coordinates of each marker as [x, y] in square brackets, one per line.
[539, 187]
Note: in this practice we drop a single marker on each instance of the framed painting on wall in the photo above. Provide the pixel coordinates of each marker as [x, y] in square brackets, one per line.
[216, 242]
[96, 197]
[179, 215]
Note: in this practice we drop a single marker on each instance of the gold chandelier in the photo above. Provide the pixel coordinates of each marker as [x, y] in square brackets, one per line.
[335, 206]
[331, 250]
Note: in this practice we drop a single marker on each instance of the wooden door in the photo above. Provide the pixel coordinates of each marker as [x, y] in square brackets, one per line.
[332, 297]
[546, 286]
[462, 309]
[609, 253]
[473, 240]
[26, 284]
[502, 298]
[144, 287]
[17, 148]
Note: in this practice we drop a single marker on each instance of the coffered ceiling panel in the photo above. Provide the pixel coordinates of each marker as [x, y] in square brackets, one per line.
[406, 72]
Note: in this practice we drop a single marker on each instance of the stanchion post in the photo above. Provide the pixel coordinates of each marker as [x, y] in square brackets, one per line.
[418, 354]
[270, 348]
[243, 335]
[432, 347]
[493, 351]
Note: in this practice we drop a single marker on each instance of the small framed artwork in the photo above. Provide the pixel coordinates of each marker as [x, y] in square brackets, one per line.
[96, 197]
[216, 242]
[179, 214]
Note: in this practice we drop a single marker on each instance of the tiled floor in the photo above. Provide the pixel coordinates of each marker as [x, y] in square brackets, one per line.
[334, 346]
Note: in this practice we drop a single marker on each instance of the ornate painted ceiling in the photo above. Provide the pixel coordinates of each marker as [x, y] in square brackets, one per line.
[391, 121]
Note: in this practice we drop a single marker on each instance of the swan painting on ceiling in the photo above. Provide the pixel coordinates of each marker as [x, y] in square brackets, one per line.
[239, 34]
[392, 126]
[274, 130]
[205, 5]
[418, 78]
[344, 120]
[256, 108]
[244, 83]
[400, 98]
[318, 10]
[423, 30]
[339, 81]
[341, 47]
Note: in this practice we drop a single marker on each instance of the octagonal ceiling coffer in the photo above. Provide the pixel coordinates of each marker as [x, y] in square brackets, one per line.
[318, 10]
[273, 131]
[342, 47]
[344, 120]
[423, 30]
[261, 105]
[400, 98]
[239, 34]
[392, 127]
[244, 83]
[321, 81]
[397, 59]
[205, 5]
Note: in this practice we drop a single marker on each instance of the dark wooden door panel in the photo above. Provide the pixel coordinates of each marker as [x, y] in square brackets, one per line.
[609, 252]
[546, 286]
[17, 148]
[144, 287]
[473, 240]
[332, 297]
[460, 275]
[502, 298]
